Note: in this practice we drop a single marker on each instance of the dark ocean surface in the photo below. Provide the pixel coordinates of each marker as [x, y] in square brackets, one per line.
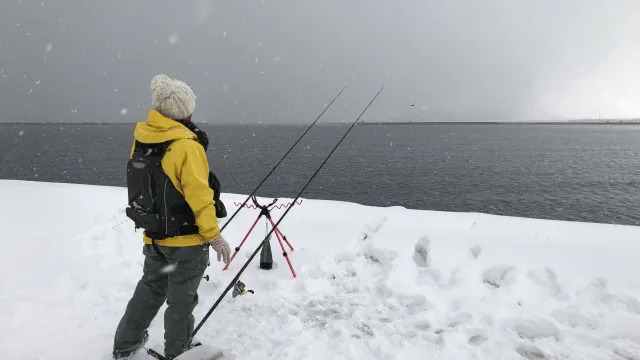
[581, 173]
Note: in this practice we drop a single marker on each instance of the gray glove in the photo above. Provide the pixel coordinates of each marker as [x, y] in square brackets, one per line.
[221, 247]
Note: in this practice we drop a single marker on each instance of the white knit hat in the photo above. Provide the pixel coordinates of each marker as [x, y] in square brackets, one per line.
[172, 98]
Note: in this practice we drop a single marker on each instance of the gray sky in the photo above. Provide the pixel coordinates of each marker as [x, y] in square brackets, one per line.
[282, 60]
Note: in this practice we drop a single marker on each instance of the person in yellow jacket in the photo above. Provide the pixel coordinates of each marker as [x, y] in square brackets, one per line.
[175, 207]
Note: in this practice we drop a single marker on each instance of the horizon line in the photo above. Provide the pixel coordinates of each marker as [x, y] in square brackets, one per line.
[363, 122]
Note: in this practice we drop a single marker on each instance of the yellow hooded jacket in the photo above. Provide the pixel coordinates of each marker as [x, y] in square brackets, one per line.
[185, 163]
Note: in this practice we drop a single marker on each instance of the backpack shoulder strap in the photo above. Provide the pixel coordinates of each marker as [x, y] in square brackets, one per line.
[151, 149]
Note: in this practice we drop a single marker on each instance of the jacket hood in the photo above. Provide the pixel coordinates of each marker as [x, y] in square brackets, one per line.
[158, 129]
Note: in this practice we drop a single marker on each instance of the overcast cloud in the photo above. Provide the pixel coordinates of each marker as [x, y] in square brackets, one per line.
[283, 60]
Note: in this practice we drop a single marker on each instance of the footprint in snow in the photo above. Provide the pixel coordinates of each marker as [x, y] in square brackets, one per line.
[477, 337]
[379, 257]
[371, 229]
[421, 252]
[475, 251]
[415, 304]
[547, 279]
[627, 349]
[575, 317]
[535, 328]
[423, 325]
[596, 290]
[530, 352]
[453, 278]
[499, 276]
[459, 319]
[632, 304]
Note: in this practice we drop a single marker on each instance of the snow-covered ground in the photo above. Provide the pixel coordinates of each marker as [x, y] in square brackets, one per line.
[373, 283]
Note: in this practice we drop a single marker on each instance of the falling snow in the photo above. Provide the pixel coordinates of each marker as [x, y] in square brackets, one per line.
[173, 39]
[38, 82]
[49, 48]
[124, 111]
[276, 59]
[21, 132]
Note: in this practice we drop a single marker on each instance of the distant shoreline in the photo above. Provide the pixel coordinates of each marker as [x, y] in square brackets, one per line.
[417, 123]
[547, 123]
[64, 123]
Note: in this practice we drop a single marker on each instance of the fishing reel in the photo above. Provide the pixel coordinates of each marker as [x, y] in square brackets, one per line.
[239, 289]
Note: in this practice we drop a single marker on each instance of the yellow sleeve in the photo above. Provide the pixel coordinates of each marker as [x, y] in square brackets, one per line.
[194, 179]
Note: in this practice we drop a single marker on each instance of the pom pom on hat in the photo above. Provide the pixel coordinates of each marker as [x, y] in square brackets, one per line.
[172, 98]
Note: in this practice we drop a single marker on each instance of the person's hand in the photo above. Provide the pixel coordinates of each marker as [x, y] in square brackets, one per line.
[221, 247]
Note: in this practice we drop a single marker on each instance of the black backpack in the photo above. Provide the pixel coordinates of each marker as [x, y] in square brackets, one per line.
[154, 203]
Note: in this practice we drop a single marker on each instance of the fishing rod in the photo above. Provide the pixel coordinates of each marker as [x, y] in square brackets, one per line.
[235, 279]
[281, 160]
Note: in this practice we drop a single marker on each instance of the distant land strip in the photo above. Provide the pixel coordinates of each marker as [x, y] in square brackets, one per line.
[64, 123]
[563, 122]
[572, 122]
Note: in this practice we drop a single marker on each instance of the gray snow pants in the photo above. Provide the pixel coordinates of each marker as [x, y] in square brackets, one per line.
[173, 275]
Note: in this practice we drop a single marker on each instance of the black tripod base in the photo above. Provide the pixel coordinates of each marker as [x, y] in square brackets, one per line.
[266, 258]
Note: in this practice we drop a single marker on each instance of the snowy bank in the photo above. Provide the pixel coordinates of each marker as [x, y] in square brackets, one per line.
[373, 283]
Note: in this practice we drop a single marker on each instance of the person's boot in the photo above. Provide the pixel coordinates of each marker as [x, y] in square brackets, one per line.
[193, 344]
[124, 354]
